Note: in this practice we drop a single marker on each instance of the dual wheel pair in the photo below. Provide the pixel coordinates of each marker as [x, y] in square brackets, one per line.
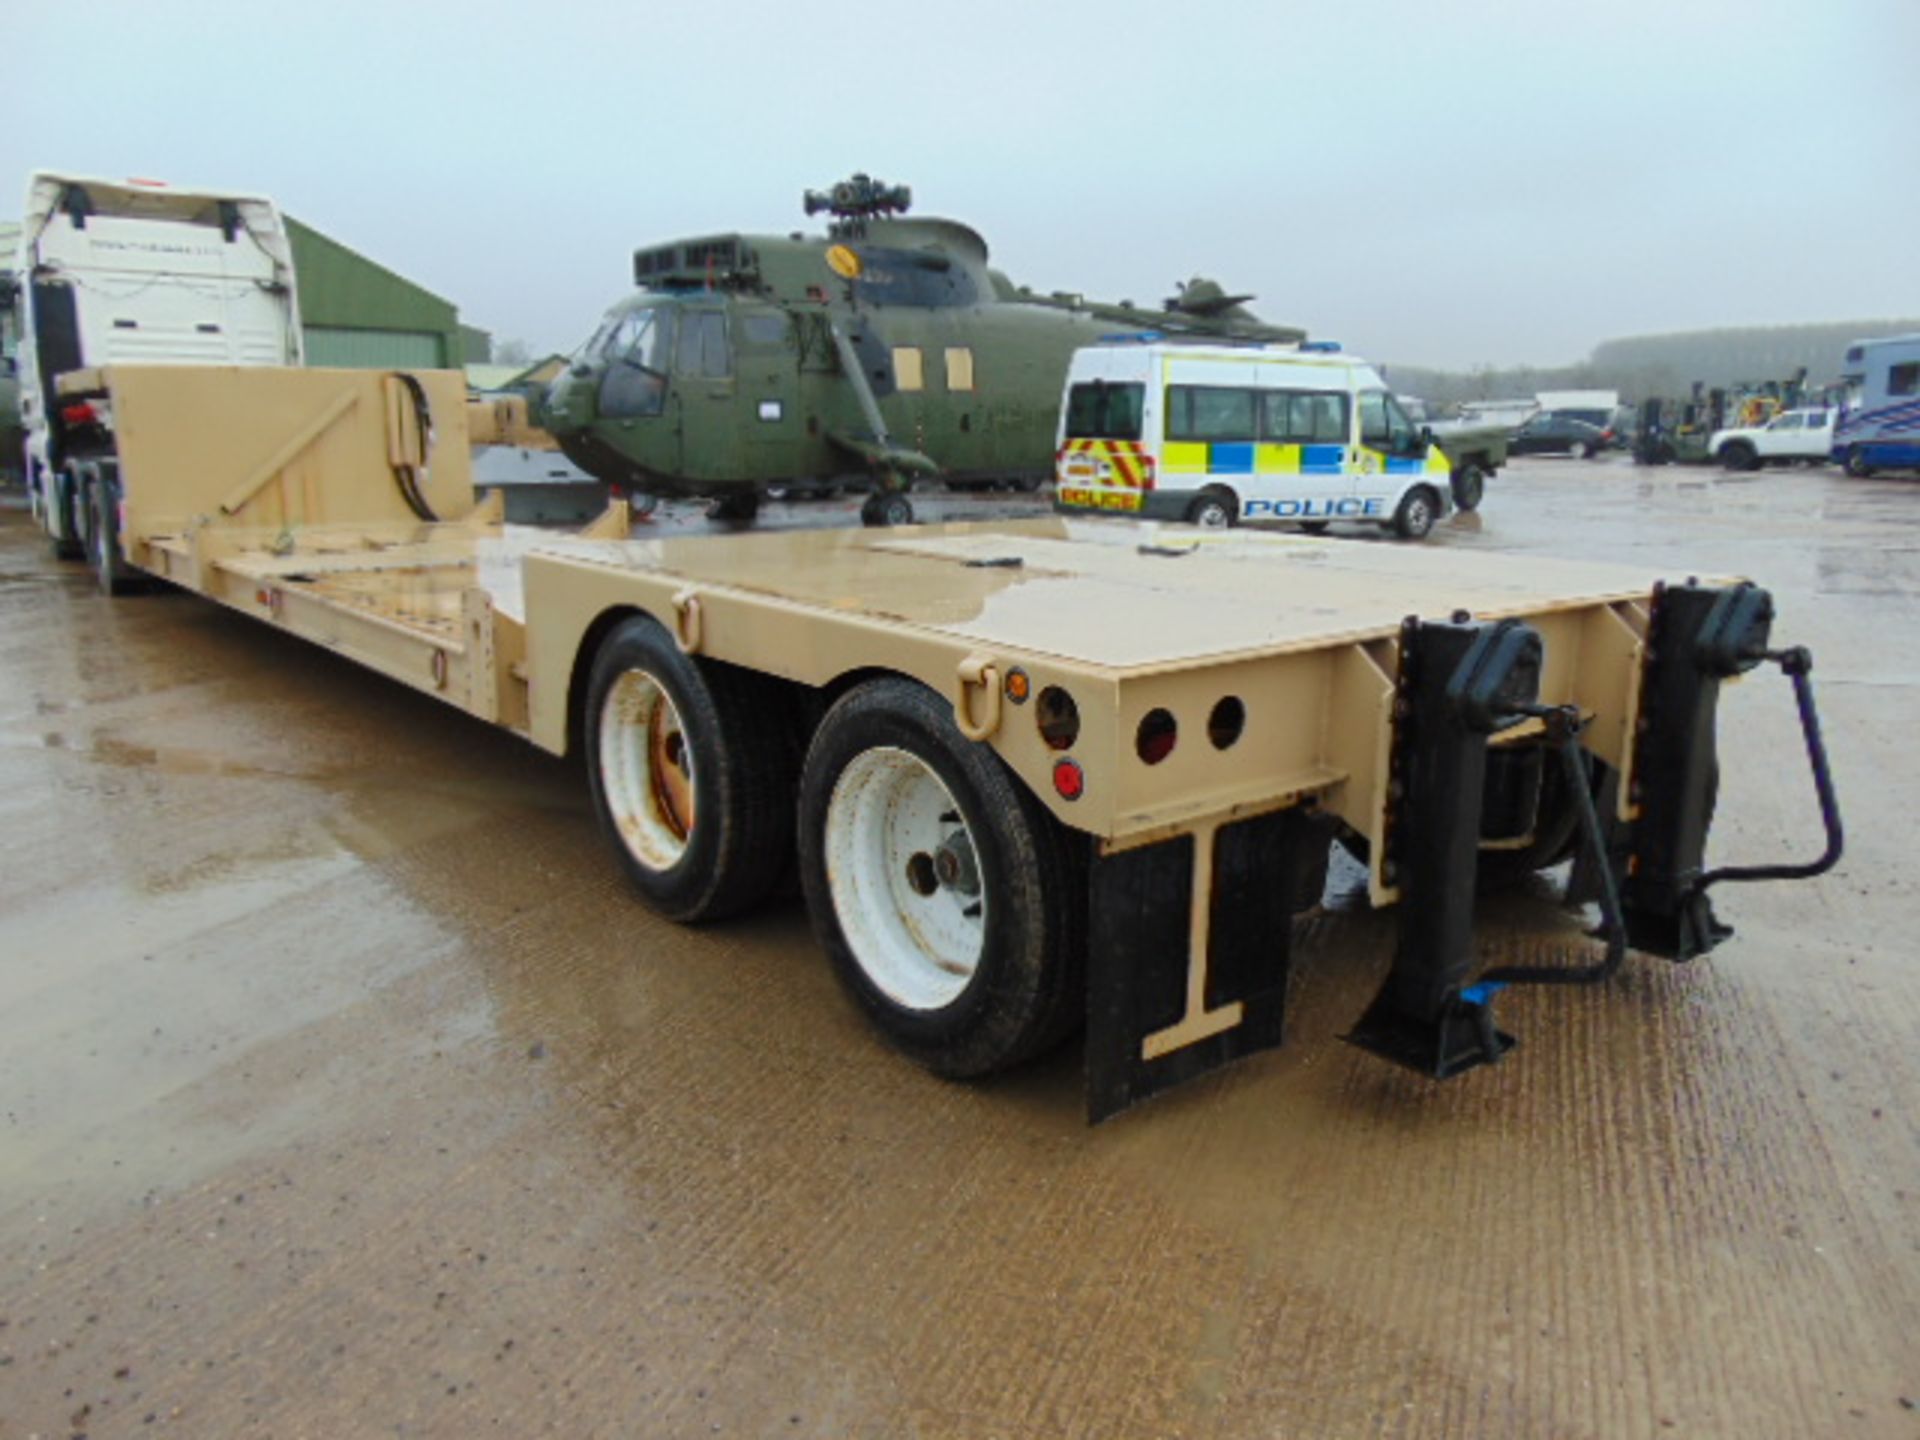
[951, 904]
[88, 495]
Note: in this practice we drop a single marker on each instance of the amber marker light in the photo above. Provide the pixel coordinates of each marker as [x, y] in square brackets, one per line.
[1018, 686]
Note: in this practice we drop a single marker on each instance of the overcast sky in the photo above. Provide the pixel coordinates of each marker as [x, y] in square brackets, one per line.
[1431, 183]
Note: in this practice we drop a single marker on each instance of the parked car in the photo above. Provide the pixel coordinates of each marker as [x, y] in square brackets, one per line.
[1789, 436]
[1553, 433]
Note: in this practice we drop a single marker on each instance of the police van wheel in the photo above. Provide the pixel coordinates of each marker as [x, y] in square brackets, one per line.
[692, 768]
[1419, 507]
[1315, 527]
[951, 903]
[1214, 509]
[1469, 486]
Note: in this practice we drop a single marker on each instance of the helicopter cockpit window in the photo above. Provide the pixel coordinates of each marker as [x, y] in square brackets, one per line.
[1099, 410]
[702, 350]
[635, 382]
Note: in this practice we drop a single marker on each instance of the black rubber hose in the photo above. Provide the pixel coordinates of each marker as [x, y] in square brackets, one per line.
[407, 477]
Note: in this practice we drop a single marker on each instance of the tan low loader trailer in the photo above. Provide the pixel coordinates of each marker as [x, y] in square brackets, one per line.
[1035, 776]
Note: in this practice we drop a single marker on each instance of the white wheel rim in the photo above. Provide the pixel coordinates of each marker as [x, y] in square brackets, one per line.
[905, 883]
[1213, 516]
[1417, 517]
[646, 770]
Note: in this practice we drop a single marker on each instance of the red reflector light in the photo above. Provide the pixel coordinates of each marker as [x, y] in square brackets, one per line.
[79, 413]
[150, 184]
[1069, 780]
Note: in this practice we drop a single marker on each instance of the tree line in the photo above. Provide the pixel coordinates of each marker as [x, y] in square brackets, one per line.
[1639, 366]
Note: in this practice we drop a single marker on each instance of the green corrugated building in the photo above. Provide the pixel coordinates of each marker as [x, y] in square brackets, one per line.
[359, 314]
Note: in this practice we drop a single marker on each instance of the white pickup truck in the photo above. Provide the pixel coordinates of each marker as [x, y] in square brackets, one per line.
[1789, 436]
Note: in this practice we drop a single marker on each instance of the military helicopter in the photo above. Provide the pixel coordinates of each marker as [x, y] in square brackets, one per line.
[883, 352]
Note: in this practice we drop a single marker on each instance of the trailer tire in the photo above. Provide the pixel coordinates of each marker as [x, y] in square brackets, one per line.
[692, 768]
[102, 503]
[1418, 509]
[1469, 485]
[952, 905]
[1214, 508]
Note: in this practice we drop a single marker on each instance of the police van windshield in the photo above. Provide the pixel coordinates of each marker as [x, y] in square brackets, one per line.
[1104, 410]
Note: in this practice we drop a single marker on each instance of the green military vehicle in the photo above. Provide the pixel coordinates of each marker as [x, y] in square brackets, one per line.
[885, 351]
[1475, 450]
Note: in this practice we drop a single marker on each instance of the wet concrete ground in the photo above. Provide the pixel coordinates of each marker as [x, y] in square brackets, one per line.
[345, 1092]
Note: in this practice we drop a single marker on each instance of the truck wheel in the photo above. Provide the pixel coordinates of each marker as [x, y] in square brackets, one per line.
[67, 504]
[952, 905]
[1738, 455]
[1419, 507]
[691, 765]
[1214, 509]
[1857, 465]
[110, 568]
[1469, 485]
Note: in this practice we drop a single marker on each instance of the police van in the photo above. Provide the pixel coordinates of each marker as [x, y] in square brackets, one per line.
[1217, 435]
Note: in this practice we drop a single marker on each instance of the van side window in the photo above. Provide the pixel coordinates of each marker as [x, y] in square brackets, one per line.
[1104, 410]
[1303, 417]
[1209, 412]
[1904, 379]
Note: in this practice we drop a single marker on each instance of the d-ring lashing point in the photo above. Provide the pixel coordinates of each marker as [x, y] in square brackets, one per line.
[687, 621]
[976, 672]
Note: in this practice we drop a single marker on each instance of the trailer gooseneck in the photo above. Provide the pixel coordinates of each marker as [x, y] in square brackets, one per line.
[1036, 775]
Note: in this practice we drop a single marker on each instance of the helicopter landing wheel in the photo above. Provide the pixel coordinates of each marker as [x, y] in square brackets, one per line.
[887, 508]
[740, 509]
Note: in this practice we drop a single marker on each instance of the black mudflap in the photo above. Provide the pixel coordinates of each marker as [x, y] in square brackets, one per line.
[1143, 1035]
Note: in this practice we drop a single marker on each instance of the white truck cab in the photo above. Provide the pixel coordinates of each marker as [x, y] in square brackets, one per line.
[114, 272]
[1791, 435]
[1221, 434]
